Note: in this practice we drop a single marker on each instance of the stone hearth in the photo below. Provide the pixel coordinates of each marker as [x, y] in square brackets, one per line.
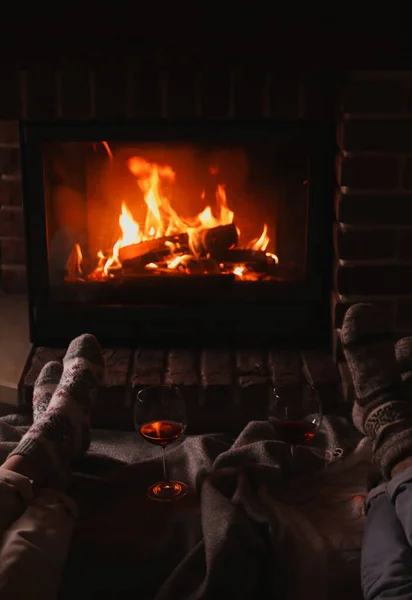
[223, 389]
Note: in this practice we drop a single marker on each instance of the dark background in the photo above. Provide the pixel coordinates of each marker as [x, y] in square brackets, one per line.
[261, 34]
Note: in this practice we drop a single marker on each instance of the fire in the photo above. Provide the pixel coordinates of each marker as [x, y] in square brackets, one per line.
[262, 242]
[162, 222]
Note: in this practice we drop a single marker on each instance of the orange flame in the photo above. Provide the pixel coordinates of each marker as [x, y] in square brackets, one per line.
[162, 220]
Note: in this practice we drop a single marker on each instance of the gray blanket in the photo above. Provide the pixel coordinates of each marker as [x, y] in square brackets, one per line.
[230, 537]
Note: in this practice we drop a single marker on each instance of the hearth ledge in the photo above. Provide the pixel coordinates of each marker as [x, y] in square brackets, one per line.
[15, 346]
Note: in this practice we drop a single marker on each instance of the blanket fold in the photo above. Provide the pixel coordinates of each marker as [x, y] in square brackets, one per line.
[234, 536]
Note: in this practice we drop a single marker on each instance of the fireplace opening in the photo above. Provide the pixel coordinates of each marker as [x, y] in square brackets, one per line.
[161, 229]
[119, 212]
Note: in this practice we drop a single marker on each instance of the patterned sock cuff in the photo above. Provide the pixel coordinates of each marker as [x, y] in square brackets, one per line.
[380, 418]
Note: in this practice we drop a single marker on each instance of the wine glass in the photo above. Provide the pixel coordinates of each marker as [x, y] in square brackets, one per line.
[295, 414]
[160, 418]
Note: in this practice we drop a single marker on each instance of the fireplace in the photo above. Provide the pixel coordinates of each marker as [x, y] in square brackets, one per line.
[200, 231]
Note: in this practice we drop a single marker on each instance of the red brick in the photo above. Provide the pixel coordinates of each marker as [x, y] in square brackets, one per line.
[41, 93]
[374, 209]
[13, 279]
[9, 132]
[405, 244]
[364, 244]
[10, 193]
[9, 160]
[249, 93]
[407, 175]
[111, 91]
[12, 252]
[10, 107]
[11, 222]
[340, 306]
[376, 135]
[75, 91]
[404, 314]
[373, 172]
[375, 96]
[373, 279]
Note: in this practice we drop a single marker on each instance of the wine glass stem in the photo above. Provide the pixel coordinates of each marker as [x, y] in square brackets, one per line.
[165, 473]
[292, 451]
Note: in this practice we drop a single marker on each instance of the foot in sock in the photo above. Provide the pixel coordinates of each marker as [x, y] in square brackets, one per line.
[403, 352]
[62, 431]
[380, 411]
[44, 388]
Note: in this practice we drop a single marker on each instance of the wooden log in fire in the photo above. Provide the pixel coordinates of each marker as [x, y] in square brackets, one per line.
[152, 246]
[219, 239]
[241, 255]
[211, 241]
[138, 263]
[256, 259]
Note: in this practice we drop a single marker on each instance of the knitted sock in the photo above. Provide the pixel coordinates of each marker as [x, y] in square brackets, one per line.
[44, 388]
[62, 432]
[380, 411]
[403, 352]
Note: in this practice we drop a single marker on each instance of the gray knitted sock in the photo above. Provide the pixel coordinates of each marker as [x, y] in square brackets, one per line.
[380, 410]
[403, 352]
[62, 432]
[44, 388]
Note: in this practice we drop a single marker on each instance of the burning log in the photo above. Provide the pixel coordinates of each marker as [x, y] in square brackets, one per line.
[154, 246]
[193, 266]
[255, 259]
[212, 241]
[242, 255]
[138, 263]
[219, 239]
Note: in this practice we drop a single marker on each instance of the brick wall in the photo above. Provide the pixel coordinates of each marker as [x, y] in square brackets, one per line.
[373, 228]
[12, 250]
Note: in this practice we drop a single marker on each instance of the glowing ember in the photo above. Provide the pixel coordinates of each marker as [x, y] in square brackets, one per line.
[238, 271]
[182, 241]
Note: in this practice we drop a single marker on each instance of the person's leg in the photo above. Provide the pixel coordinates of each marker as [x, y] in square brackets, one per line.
[62, 432]
[34, 548]
[383, 411]
[386, 561]
[17, 472]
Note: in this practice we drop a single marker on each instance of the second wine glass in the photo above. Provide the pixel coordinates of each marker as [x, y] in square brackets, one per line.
[295, 415]
[160, 418]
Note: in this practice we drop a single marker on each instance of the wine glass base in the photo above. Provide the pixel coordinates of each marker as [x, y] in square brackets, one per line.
[166, 491]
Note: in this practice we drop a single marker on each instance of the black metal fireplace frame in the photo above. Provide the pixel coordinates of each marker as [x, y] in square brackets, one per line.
[277, 311]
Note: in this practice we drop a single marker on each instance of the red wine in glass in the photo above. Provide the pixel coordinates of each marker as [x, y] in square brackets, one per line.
[295, 414]
[294, 432]
[160, 418]
[161, 433]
